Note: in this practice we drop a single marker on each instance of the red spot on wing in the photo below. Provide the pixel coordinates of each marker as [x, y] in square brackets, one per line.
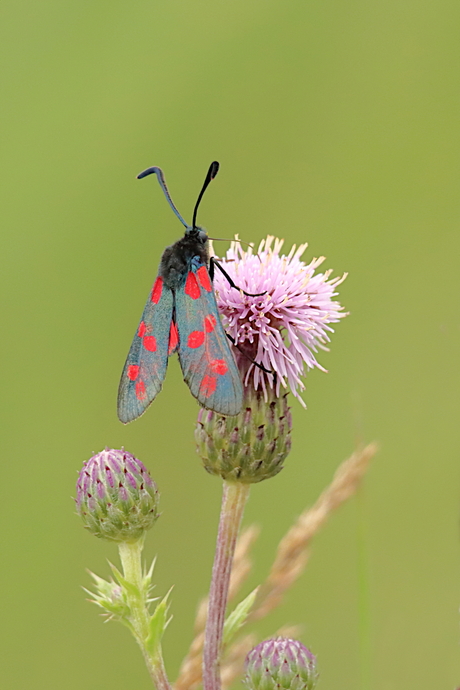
[140, 390]
[150, 343]
[209, 323]
[157, 290]
[133, 372]
[195, 339]
[218, 366]
[204, 279]
[141, 330]
[192, 289]
[173, 338]
[208, 385]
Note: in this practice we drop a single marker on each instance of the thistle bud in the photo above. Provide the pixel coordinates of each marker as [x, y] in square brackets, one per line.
[280, 664]
[116, 497]
[248, 447]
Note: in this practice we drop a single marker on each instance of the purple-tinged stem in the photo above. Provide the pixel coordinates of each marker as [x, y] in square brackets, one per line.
[234, 499]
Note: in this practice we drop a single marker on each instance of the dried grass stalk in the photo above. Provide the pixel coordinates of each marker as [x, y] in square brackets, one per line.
[233, 663]
[242, 563]
[293, 550]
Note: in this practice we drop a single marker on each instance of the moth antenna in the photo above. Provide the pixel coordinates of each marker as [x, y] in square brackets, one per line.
[161, 179]
[212, 172]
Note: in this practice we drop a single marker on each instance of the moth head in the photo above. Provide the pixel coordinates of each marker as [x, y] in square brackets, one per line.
[198, 234]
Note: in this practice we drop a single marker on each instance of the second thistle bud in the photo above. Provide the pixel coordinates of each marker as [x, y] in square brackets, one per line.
[248, 447]
[280, 664]
[116, 497]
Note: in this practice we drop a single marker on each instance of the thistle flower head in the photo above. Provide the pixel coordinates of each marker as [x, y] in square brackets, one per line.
[284, 328]
[116, 497]
[280, 664]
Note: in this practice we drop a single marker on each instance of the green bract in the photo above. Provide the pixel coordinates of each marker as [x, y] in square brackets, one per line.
[248, 447]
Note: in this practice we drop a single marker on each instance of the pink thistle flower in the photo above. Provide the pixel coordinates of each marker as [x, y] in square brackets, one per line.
[283, 329]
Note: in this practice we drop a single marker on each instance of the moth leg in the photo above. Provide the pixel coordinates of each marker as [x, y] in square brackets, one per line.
[256, 364]
[211, 268]
[213, 262]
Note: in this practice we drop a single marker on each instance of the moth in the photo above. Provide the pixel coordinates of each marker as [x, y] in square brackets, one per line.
[181, 315]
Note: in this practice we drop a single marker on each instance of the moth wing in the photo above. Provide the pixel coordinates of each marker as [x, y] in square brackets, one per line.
[207, 362]
[147, 360]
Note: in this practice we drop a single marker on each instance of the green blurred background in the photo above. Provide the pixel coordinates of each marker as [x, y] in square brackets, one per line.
[335, 123]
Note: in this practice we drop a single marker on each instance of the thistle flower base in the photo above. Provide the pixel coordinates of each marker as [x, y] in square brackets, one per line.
[248, 447]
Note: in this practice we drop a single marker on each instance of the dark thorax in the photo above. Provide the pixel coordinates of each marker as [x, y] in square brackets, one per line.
[177, 259]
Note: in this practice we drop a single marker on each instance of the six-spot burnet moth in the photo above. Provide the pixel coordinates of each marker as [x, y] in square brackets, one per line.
[181, 316]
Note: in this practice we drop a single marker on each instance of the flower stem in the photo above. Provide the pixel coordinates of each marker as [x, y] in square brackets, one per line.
[130, 556]
[234, 499]
[364, 592]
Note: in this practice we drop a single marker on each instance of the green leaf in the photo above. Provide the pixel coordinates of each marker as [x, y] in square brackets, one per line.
[128, 586]
[98, 580]
[158, 624]
[238, 617]
[148, 575]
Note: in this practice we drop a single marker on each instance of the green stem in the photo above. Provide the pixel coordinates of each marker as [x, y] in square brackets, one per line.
[130, 556]
[234, 499]
[364, 593]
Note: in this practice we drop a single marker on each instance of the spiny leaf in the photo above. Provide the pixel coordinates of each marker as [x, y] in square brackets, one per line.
[158, 624]
[132, 589]
[238, 617]
[148, 575]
